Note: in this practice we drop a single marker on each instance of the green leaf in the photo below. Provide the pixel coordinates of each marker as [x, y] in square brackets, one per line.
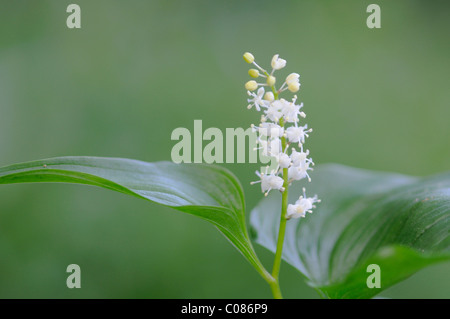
[209, 192]
[399, 222]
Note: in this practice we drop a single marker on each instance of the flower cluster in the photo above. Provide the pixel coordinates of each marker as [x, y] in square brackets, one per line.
[280, 132]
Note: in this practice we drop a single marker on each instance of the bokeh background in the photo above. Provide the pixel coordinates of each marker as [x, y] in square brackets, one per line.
[136, 70]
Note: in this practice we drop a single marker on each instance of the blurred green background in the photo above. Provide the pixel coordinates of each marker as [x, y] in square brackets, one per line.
[136, 70]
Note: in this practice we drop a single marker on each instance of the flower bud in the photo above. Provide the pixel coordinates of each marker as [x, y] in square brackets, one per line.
[291, 78]
[271, 80]
[254, 73]
[269, 96]
[251, 85]
[294, 87]
[248, 57]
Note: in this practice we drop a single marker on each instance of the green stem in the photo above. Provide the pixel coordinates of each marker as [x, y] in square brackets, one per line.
[273, 280]
[276, 292]
[282, 229]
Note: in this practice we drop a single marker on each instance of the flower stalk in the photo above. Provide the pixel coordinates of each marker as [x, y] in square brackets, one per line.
[278, 140]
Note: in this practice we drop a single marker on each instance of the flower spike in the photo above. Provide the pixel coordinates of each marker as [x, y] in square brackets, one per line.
[278, 132]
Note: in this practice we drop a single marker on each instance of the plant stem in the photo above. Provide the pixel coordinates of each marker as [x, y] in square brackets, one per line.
[273, 280]
[282, 229]
[276, 292]
[281, 232]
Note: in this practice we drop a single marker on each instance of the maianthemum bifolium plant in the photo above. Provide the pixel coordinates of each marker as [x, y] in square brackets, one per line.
[367, 221]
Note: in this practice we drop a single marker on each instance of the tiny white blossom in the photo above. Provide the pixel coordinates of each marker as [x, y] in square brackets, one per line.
[264, 146]
[296, 173]
[295, 211]
[257, 100]
[273, 111]
[270, 147]
[269, 182]
[277, 63]
[302, 206]
[298, 158]
[291, 111]
[269, 129]
[296, 134]
[284, 160]
[274, 147]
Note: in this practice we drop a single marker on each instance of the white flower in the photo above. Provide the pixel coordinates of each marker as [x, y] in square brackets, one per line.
[273, 111]
[284, 160]
[295, 211]
[297, 173]
[302, 206]
[278, 63]
[298, 158]
[269, 129]
[257, 100]
[296, 134]
[274, 148]
[264, 146]
[271, 147]
[273, 114]
[269, 182]
[291, 111]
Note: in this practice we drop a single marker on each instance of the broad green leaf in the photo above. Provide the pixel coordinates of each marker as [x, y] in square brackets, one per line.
[209, 192]
[398, 222]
